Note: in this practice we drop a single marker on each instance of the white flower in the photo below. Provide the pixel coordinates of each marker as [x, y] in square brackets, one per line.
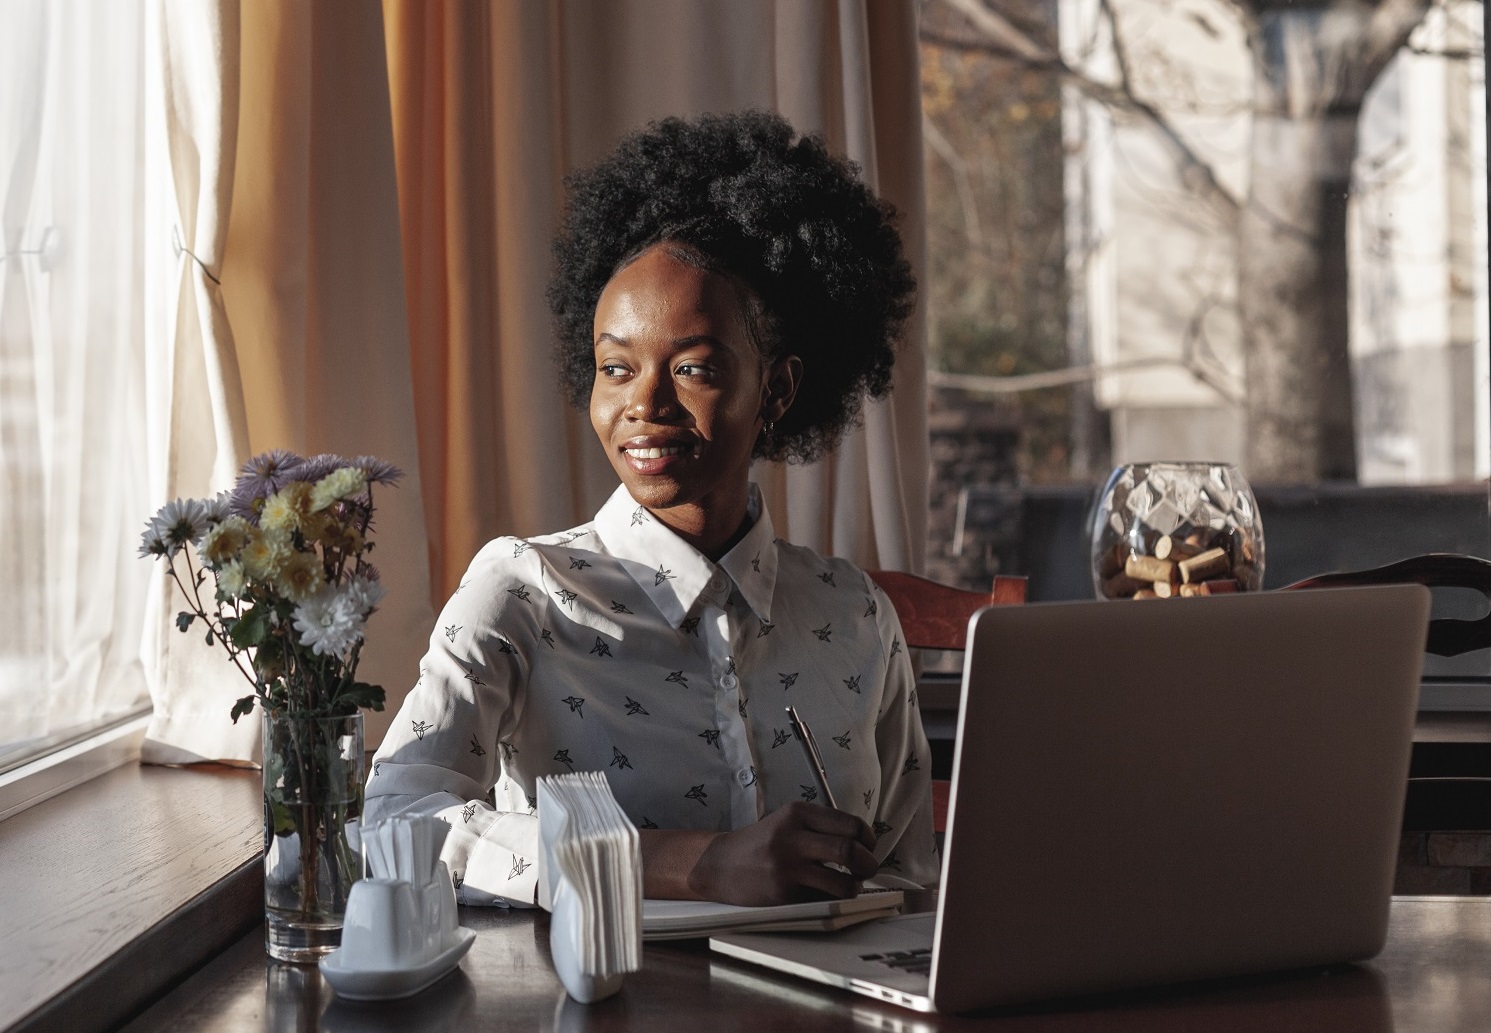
[179, 522]
[329, 621]
[231, 580]
[364, 593]
[216, 510]
[337, 485]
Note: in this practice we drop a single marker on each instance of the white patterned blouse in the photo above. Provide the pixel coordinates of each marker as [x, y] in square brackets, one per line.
[617, 647]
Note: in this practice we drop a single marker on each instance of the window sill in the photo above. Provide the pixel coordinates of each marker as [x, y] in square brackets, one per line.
[114, 891]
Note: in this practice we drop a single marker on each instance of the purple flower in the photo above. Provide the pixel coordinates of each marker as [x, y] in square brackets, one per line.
[317, 467]
[378, 471]
[265, 474]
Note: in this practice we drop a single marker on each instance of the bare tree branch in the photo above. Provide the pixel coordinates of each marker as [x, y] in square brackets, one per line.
[1004, 40]
[1002, 31]
[961, 182]
[1449, 54]
[1392, 22]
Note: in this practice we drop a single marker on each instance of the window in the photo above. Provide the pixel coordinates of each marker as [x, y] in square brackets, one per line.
[72, 393]
[1207, 229]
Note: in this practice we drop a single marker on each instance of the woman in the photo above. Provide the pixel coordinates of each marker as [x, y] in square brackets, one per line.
[722, 294]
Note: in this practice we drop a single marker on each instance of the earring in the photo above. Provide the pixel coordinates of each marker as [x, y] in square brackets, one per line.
[766, 432]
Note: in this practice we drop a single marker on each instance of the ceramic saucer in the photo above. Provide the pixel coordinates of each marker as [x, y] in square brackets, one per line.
[387, 984]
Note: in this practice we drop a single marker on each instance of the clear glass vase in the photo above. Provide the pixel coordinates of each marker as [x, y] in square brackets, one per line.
[1175, 529]
[313, 778]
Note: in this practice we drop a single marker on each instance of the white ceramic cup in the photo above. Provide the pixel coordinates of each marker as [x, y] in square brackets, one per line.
[382, 927]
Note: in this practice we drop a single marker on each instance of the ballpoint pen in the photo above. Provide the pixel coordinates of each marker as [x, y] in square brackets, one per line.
[815, 759]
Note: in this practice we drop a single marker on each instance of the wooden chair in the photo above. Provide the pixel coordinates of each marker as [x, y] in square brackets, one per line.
[935, 616]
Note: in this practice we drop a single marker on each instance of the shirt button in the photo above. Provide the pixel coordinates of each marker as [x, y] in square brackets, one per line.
[743, 777]
[729, 681]
[717, 582]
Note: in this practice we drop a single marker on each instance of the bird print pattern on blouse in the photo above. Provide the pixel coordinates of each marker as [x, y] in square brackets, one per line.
[610, 648]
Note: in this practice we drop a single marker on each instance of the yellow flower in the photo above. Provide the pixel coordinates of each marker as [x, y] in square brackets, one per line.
[339, 484]
[287, 508]
[299, 576]
[225, 541]
[264, 553]
[343, 537]
[314, 526]
[231, 580]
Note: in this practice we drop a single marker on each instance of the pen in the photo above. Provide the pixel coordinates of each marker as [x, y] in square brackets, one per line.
[815, 759]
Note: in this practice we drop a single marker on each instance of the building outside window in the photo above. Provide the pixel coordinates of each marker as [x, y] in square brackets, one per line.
[1209, 229]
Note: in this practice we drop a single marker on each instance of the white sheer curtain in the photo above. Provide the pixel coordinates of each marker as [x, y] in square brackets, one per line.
[197, 424]
[72, 431]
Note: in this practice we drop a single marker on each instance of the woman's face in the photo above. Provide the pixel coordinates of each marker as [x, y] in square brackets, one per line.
[680, 393]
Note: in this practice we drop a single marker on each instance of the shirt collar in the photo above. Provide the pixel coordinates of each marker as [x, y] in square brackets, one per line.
[674, 574]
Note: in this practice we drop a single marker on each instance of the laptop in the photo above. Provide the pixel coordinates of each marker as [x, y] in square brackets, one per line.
[1158, 792]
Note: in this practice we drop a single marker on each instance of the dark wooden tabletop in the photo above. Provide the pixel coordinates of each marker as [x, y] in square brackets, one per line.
[1435, 975]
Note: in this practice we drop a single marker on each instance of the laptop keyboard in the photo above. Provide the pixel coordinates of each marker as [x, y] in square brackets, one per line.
[917, 961]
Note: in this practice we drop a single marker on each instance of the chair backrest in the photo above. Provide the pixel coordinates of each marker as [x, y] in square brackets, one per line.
[934, 615]
[1447, 636]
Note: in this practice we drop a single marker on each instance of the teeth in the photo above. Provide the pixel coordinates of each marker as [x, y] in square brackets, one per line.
[657, 453]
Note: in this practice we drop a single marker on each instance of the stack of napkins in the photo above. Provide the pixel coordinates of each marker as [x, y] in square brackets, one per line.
[406, 848]
[591, 881]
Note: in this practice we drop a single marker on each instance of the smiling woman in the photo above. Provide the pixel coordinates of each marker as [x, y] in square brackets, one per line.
[682, 393]
[724, 292]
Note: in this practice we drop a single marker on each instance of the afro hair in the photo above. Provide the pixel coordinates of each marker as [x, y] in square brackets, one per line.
[789, 220]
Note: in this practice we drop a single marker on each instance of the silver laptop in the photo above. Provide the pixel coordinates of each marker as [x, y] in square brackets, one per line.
[1154, 792]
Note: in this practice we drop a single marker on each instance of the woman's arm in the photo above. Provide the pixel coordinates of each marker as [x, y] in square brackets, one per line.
[780, 859]
[444, 749]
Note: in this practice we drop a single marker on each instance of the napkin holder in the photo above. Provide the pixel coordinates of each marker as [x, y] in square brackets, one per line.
[592, 944]
[404, 913]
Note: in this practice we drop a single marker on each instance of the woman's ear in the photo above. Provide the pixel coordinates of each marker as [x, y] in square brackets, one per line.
[782, 380]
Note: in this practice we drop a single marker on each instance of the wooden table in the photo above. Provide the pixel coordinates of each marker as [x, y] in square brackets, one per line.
[1435, 975]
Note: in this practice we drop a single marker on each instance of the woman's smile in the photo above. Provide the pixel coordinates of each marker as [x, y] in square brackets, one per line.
[649, 457]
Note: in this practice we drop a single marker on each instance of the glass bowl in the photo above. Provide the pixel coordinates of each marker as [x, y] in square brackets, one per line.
[1174, 529]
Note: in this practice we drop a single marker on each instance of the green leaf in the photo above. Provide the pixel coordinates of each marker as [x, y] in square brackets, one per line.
[242, 708]
[361, 694]
[210, 638]
[184, 620]
[284, 819]
[250, 629]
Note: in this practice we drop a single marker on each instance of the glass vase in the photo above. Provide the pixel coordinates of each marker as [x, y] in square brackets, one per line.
[313, 778]
[1175, 529]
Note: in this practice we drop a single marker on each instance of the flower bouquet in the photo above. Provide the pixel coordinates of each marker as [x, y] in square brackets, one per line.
[292, 591]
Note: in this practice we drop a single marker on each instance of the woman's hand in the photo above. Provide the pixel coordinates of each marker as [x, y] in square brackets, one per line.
[780, 859]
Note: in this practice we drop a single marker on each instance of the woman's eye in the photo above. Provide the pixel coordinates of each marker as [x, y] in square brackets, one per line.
[693, 369]
[611, 369]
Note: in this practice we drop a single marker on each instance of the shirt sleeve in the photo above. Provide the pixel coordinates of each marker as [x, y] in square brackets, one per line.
[443, 753]
[906, 848]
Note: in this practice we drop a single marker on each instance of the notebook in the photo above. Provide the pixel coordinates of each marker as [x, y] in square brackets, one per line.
[1154, 792]
[687, 919]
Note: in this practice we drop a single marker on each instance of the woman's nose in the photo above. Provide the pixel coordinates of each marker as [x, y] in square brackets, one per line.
[652, 398]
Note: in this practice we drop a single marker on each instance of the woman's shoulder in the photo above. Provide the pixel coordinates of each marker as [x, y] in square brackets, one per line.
[510, 562]
[802, 562]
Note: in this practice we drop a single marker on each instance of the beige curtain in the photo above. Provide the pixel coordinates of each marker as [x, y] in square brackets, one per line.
[493, 103]
[313, 280]
[276, 118]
